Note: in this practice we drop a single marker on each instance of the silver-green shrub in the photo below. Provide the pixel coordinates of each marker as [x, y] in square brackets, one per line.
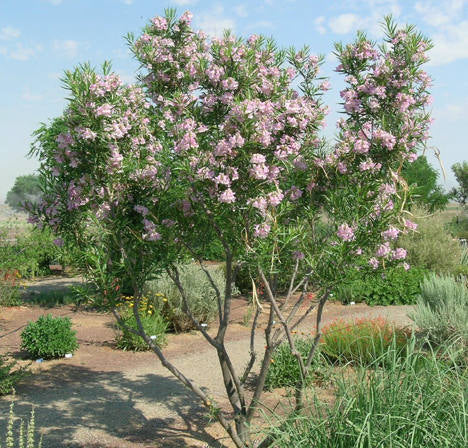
[200, 294]
[442, 309]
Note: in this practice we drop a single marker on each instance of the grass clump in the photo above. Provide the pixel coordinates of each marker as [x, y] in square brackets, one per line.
[49, 337]
[362, 342]
[416, 402]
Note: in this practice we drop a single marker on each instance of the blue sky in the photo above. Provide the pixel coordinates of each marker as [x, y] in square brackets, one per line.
[39, 39]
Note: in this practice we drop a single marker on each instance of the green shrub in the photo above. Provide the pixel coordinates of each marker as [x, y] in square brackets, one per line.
[26, 436]
[284, 370]
[9, 290]
[458, 227]
[201, 296]
[363, 342]
[154, 325]
[30, 252]
[418, 402]
[394, 286]
[10, 374]
[442, 310]
[49, 337]
[432, 247]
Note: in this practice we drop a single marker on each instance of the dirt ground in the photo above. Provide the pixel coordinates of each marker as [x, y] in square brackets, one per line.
[103, 397]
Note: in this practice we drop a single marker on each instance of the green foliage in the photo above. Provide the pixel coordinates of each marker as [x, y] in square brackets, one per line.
[26, 436]
[25, 189]
[284, 369]
[418, 402]
[362, 342]
[49, 337]
[32, 253]
[431, 246]
[458, 227]
[421, 177]
[442, 310]
[200, 294]
[394, 286]
[10, 374]
[153, 324]
[9, 289]
[460, 193]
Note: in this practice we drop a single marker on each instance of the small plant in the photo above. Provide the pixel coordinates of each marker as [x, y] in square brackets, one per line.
[284, 370]
[442, 310]
[155, 327]
[26, 436]
[9, 288]
[10, 374]
[49, 337]
[363, 341]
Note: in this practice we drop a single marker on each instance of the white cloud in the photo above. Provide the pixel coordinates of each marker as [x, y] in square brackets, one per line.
[55, 2]
[9, 33]
[128, 2]
[68, 48]
[345, 23]
[450, 44]
[22, 53]
[450, 37]
[241, 10]
[261, 24]
[319, 24]
[214, 22]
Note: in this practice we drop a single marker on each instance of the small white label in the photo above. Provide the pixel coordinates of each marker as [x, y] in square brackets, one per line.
[203, 325]
[153, 337]
[68, 355]
[352, 303]
[39, 360]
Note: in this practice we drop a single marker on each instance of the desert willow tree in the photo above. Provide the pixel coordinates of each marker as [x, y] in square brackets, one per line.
[220, 142]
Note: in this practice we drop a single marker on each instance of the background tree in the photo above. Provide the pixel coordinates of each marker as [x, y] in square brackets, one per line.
[25, 189]
[460, 193]
[422, 178]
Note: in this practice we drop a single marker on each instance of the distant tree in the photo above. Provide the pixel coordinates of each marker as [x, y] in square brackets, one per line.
[422, 178]
[26, 188]
[460, 193]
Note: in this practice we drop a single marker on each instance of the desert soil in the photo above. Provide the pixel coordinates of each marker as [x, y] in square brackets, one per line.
[104, 397]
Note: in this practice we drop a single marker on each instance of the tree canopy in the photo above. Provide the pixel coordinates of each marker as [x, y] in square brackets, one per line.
[25, 189]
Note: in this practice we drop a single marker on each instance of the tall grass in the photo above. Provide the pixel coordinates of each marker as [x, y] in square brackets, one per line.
[417, 402]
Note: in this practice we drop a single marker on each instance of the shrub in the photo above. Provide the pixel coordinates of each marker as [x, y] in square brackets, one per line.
[363, 341]
[10, 374]
[9, 289]
[394, 286]
[201, 296]
[432, 247]
[26, 436]
[442, 310]
[284, 369]
[49, 337]
[153, 322]
[403, 406]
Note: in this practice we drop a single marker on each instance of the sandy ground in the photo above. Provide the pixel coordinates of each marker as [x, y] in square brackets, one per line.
[103, 397]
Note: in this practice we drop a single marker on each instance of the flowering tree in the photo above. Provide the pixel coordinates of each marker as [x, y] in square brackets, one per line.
[221, 143]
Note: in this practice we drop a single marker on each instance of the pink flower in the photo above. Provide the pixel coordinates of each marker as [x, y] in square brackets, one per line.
[104, 111]
[59, 242]
[410, 224]
[275, 198]
[383, 250]
[258, 158]
[345, 232]
[262, 230]
[374, 263]
[298, 255]
[227, 196]
[141, 209]
[391, 233]
[399, 254]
